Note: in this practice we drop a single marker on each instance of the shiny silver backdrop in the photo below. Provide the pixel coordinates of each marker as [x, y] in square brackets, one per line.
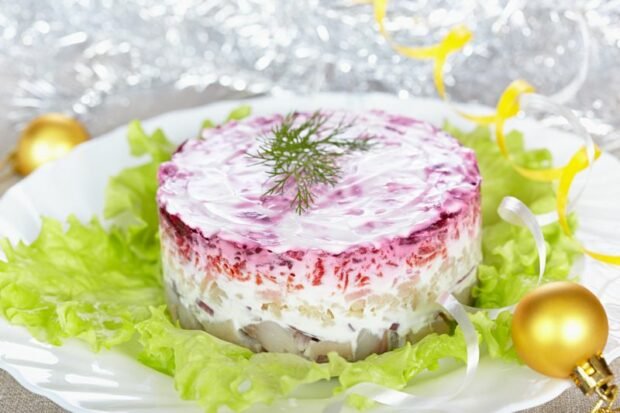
[107, 61]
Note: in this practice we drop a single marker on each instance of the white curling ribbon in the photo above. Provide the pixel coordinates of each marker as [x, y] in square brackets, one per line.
[516, 212]
[401, 400]
[512, 211]
[542, 103]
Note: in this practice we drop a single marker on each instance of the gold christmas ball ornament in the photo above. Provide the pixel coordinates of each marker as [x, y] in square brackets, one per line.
[558, 327]
[560, 330]
[46, 138]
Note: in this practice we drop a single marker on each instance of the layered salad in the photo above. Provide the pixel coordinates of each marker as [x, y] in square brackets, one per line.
[355, 270]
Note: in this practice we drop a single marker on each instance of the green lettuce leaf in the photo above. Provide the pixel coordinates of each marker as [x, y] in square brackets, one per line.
[238, 113]
[510, 265]
[496, 335]
[130, 196]
[218, 373]
[83, 282]
[396, 368]
[156, 145]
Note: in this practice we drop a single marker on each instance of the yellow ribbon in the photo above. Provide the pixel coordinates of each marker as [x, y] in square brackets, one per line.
[578, 163]
[456, 38]
[507, 107]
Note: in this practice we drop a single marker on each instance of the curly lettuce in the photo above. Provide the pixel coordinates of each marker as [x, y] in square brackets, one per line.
[130, 195]
[83, 282]
[218, 373]
[239, 113]
[510, 260]
[103, 286]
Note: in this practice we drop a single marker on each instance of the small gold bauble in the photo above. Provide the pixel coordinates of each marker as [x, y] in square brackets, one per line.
[559, 326]
[46, 138]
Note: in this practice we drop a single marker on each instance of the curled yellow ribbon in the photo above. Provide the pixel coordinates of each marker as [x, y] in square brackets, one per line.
[578, 163]
[507, 107]
[454, 41]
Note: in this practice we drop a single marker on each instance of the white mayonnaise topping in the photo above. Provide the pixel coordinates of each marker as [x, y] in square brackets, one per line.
[410, 176]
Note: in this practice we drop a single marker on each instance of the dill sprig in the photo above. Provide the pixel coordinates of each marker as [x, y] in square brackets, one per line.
[305, 155]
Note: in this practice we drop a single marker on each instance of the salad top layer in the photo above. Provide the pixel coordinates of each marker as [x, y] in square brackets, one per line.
[413, 176]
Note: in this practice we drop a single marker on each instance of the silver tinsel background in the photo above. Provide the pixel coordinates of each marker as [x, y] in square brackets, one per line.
[92, 57]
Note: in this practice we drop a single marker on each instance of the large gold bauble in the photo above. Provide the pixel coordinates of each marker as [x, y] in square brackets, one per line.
[559, 326]
[46, 138]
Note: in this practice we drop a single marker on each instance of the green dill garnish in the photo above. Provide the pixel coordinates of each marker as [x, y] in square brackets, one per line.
[305, 155]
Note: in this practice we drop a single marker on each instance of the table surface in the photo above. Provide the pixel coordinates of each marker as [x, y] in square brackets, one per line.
[16, 399]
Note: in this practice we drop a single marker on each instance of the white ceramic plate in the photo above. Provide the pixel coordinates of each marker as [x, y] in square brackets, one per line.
[111, 381]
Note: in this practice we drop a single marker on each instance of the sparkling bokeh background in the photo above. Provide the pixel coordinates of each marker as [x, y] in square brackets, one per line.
[107, 61]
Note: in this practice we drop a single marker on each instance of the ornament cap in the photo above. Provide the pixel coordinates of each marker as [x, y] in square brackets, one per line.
[593, 375]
